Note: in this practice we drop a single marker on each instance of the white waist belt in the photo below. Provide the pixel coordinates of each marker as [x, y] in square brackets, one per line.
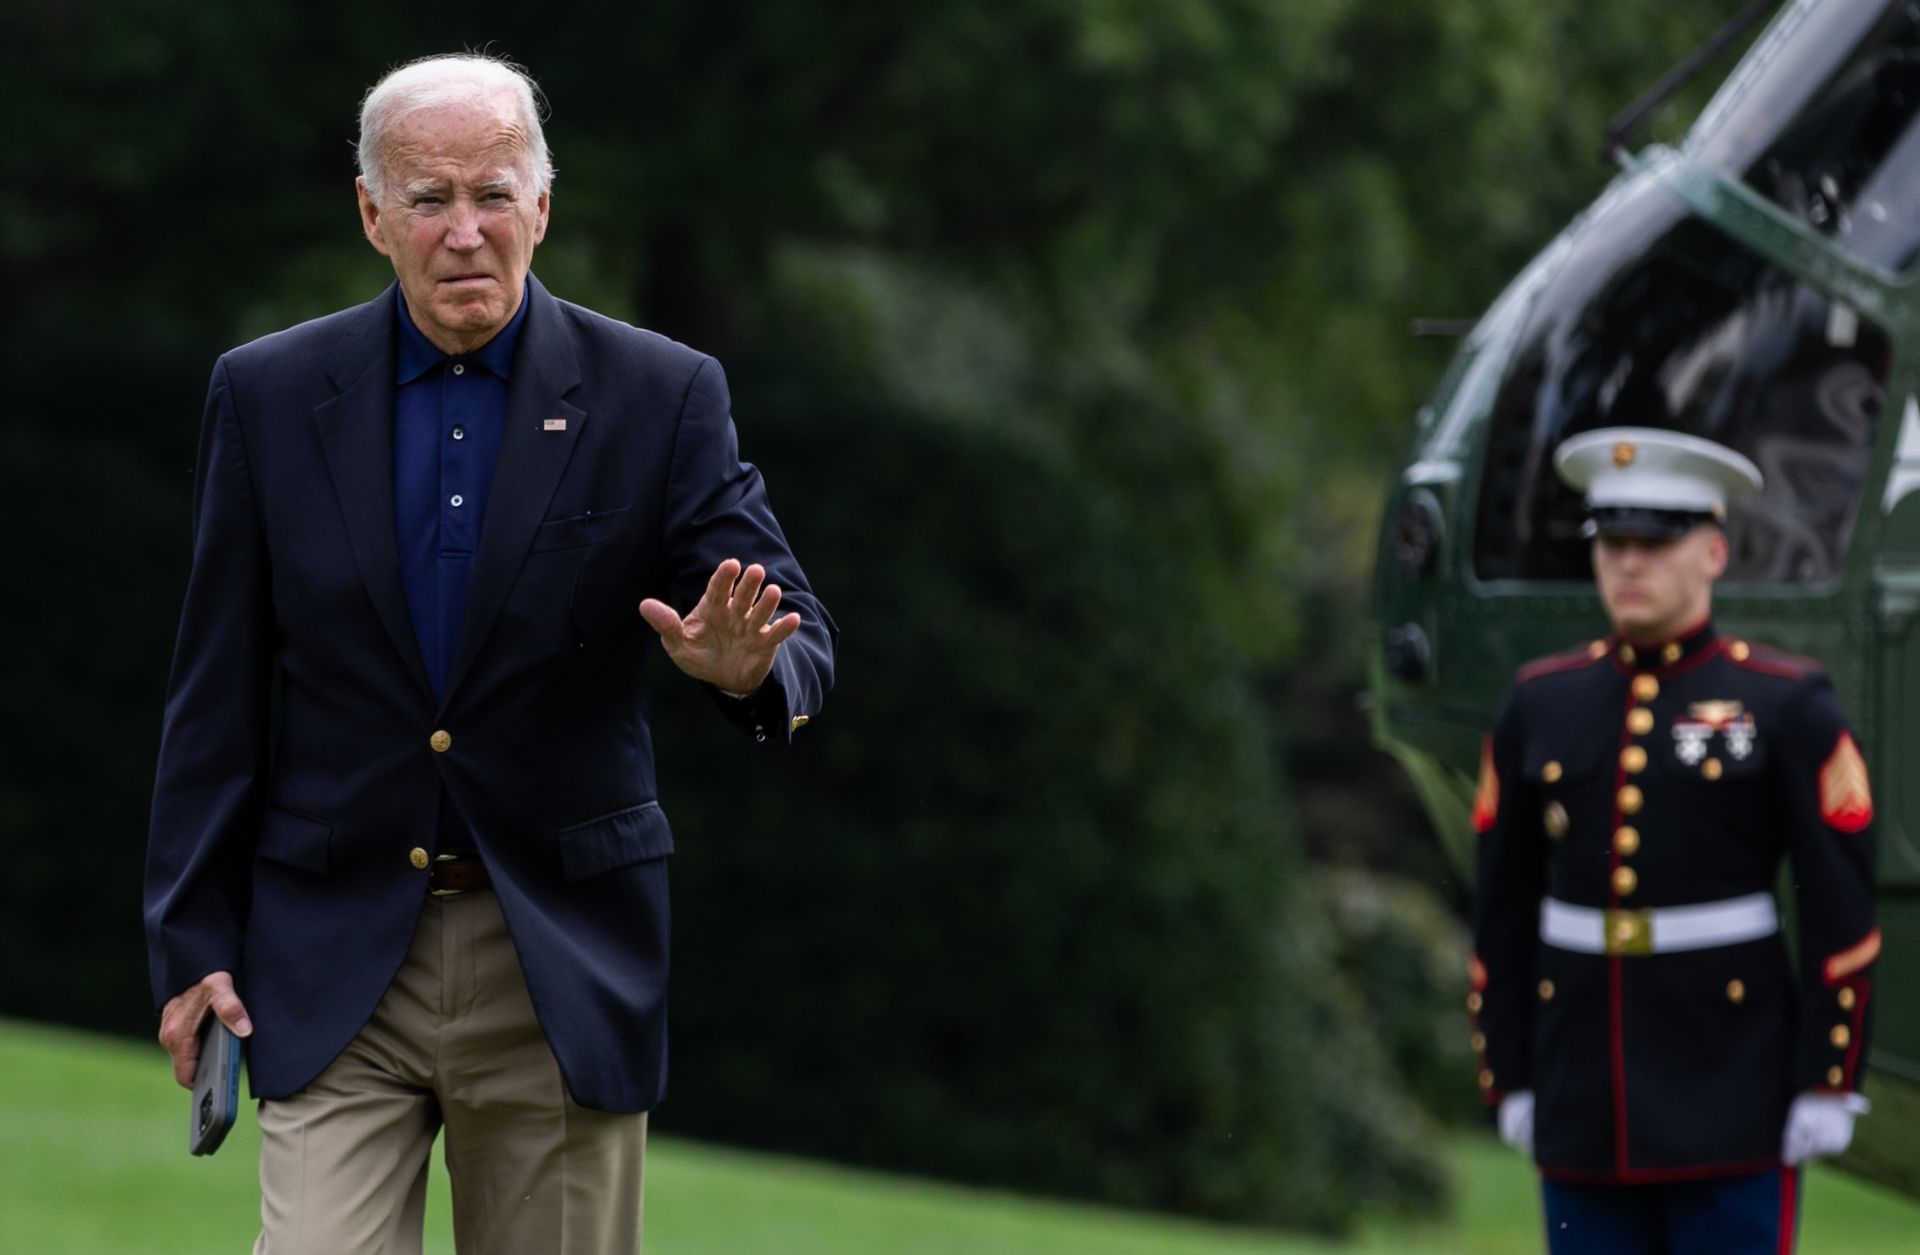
[1660, 929]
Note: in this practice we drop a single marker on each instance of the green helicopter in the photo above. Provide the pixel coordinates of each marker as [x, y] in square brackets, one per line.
[1755, 285]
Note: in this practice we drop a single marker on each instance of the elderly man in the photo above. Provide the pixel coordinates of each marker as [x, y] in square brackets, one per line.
[405, 838]
[1639, 1028]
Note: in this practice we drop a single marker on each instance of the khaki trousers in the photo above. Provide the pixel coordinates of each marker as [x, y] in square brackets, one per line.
[343, 1163]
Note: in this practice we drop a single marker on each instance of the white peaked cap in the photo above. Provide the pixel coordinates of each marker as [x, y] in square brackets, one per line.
[1635, 475]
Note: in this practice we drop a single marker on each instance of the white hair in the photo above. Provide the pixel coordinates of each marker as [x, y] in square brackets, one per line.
[443, 80]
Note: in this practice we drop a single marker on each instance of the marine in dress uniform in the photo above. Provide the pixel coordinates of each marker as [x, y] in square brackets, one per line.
[1642, 1025]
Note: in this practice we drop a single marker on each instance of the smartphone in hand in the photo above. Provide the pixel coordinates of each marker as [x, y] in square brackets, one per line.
[216, 1087]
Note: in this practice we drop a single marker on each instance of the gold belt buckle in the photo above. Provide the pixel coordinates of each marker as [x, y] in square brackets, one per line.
[1630, 933]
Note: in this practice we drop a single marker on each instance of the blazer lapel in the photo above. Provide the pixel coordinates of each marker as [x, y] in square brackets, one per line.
[533, 455]
[356, 432]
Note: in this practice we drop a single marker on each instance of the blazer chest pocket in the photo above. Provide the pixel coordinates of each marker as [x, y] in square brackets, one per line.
[295, 840]
[637, 834]
[581, 530]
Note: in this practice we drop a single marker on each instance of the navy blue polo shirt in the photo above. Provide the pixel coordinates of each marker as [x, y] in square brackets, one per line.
[447, 416]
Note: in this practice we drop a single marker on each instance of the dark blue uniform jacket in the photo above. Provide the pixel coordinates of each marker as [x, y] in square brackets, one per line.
[1622, 779]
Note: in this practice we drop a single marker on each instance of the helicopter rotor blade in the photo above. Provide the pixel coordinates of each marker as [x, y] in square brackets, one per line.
[1629, 121]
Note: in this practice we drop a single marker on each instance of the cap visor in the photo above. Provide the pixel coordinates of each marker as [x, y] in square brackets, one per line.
[1644, 524]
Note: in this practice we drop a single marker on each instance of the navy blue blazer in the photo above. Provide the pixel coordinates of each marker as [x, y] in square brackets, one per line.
[297, 770]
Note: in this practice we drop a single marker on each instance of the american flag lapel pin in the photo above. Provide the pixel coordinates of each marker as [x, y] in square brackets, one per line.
[555, 424]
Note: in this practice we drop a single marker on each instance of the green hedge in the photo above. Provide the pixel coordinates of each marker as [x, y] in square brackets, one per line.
[1023, 906]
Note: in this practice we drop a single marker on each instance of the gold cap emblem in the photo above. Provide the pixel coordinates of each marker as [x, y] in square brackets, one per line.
[1623, 454]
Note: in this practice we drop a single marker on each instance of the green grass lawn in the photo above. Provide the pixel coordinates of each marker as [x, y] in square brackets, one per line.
[93, 1161]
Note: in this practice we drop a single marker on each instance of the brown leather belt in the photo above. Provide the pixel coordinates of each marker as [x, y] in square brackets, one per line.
[460, 872]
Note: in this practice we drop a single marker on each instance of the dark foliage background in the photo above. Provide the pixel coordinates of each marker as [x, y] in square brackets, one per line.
[1071, 336]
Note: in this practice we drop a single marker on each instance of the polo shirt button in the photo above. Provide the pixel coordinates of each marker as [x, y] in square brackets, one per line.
[456, 500]
[459, 433]
[459, 369]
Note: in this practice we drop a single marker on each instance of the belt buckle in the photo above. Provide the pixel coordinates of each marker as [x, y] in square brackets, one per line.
[446, 893]
[1629, 933]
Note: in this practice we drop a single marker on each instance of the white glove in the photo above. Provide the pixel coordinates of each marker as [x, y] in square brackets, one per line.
[1516, 1121]
[1819, 1124]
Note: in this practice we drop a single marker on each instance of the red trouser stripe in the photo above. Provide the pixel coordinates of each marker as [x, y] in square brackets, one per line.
[1789, 1203]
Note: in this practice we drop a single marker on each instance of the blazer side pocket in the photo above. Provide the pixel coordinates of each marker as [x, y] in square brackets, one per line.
[295, 840]
[581, 530]
[634, 835]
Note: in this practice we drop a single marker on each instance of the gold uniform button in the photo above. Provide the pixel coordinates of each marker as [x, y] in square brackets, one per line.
[1736, 991]
[1597, 650]
[1479, 1043]
[1835, 1076]
[1546, 991]
[1626, 839]
[1713, 769]
[1552, 772]
[1645, 687]
[1634, 759]
[1738, 651]
[1625, 880]
[1627, 655]
[1555, 820]
[418, 857]
[1640, 721]
[1486, 1079]
[1473, 1003]
[799, 722]
[442, 741]
[1846, 999]
[1631, 799]
[1671, 654]
[1840, 1037]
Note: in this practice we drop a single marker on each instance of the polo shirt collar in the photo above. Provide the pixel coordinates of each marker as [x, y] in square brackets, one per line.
[416, 355]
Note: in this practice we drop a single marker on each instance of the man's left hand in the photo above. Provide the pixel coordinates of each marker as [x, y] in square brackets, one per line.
[730, 638]
[1819, 1124]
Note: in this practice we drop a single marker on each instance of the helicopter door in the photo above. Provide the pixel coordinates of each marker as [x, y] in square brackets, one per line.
[1895, 747]
[1829, 131]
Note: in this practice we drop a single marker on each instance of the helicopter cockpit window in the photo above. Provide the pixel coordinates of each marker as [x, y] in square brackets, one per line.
[1659, 320]
[1829, 128]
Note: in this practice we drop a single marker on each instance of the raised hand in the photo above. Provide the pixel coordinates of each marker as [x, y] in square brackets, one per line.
[729, 639]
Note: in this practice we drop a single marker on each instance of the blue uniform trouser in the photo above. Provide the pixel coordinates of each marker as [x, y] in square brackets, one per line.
[1749, 1215]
